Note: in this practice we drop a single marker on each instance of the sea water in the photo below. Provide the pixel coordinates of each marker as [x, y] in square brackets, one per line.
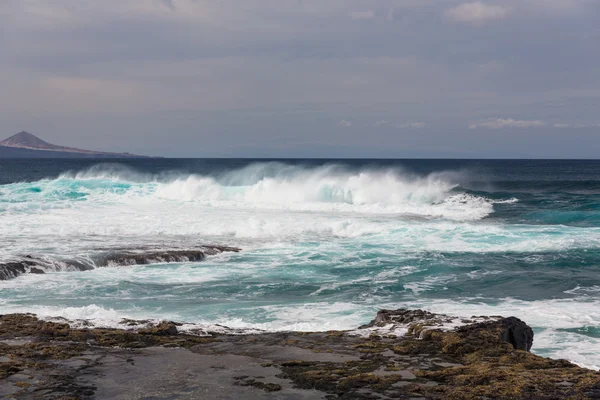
[325, 243]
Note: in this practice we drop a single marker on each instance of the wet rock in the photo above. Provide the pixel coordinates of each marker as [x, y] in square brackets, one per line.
[517, 333]
[165, 328]
[166, 256]
[33, 265]
[481, 360]
[406, 317]
[246, 381]
[13, 269]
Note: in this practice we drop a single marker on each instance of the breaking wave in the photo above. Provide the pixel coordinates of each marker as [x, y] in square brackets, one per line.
[277, 186]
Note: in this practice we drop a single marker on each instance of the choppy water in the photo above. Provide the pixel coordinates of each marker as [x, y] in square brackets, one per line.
[325, 244]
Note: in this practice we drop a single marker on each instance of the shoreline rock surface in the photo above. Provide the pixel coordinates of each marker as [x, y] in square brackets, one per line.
[484, 358]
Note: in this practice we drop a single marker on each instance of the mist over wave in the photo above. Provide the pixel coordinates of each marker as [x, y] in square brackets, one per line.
[329, 188]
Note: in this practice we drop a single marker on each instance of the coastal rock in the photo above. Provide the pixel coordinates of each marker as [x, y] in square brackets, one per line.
[165, 256]
[405, 316]
[39, 265]
[13, 269]
[165, 328]
[122, 258]
[517, 333]
[479, 360]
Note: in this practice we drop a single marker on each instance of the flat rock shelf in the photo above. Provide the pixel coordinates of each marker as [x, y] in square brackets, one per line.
[435, 357]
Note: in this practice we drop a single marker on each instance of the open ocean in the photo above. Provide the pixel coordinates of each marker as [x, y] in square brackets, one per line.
[325, 243]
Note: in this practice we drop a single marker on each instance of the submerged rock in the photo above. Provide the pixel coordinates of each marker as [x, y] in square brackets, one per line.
[13, 269]
[121, 258]
[166, 256]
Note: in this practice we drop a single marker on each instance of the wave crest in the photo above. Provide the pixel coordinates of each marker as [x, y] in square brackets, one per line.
[329, 188]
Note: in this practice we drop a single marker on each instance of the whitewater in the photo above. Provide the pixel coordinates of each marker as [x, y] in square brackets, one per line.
[324, 244]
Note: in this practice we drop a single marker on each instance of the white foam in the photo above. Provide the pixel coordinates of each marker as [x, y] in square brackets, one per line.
[429, 283]
[270, 186]
[94, 316]
[262, 205]
[267, 203]
[582, 290]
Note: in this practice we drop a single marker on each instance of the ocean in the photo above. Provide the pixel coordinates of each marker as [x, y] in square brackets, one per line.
[324, 243]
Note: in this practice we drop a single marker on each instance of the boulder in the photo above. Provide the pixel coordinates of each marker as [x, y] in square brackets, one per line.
[517, 333]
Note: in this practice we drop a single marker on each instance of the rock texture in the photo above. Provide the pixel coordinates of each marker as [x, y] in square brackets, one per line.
[38, 265]
[517, 333]
[50, 360]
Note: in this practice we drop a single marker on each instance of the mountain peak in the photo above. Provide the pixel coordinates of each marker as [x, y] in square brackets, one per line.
[25, 139]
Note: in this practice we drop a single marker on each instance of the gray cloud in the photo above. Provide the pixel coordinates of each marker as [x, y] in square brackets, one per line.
[477, 13]
[413, 125]
[576, 126]
[499, 123]
[244, 76]
[381, 122]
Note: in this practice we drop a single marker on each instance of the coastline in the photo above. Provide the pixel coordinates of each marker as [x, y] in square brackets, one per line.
[481, 358]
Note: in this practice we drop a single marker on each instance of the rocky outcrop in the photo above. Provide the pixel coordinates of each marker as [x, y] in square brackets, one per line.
[517, 333]
[406, 317]
[13, 269]
[480, 360]
[34, 265]
[423, 323]
[164, 328]
[125, 258]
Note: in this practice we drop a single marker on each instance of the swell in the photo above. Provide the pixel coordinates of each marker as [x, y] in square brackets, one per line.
[38, 265]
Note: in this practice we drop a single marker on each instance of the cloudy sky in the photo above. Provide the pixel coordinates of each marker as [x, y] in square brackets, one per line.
[305, 78]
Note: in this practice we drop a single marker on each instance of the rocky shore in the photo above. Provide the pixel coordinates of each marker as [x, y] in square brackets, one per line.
[482, 358]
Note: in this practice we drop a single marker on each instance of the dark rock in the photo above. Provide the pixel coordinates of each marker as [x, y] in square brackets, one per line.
[517, 333]
[13, 269]
[166, 256]
[404, 316]
[267, 387]
[472, 362]
[31, 264]
[514, 331]
[165, 328]
[125, 259]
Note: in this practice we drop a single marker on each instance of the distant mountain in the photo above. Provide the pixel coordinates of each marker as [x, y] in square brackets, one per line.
[26, 145]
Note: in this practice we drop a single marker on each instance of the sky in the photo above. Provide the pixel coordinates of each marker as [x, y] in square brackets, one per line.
[305, 78]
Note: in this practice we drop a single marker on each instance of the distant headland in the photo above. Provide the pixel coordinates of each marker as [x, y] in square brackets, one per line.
[27, 145]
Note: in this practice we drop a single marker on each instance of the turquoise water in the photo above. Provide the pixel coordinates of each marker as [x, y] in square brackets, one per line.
[324, 244]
